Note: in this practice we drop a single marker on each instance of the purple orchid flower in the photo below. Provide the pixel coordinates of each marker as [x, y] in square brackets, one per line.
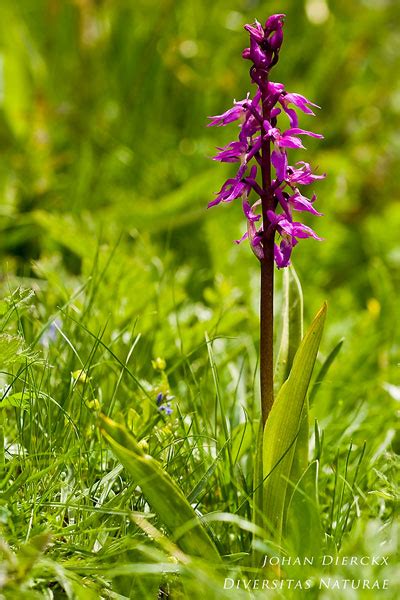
[232, 114]
[287, 139]
[290, 232]
[235, 187]
[300, 102]
[303, 175]
[258, 118]
[297, 202]
[279, 161]
[232, 152]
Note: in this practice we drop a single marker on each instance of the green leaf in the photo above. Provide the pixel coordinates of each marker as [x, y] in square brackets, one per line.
[292, 326]
[17, 400]
[284, 424]
[163, 495]
[303, 516]
[291, 336]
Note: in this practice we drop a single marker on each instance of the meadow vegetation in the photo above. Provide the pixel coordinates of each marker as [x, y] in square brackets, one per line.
[117, 285]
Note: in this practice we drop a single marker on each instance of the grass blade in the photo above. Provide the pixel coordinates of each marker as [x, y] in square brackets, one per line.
[163, 495]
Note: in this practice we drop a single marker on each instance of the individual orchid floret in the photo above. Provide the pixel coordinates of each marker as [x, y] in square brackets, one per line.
[274, 31]
[232, 152]
[256, 31]
[293, 228]
[287, 139]
[238, 111]
[290, 232]
[303, 175]
[297, 202]
[290, 175]
[298, 101]
[235, 187]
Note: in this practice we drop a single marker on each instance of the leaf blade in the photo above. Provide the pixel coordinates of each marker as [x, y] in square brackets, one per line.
[284, 424]
[163, 495]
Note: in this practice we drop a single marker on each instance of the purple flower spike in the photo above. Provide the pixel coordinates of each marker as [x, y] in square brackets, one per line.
[263, 144]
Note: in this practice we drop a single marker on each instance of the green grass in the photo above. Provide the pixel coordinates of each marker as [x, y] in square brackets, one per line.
[109, 261]
[61, 479]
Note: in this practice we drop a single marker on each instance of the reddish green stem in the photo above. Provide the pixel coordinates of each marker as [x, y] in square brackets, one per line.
[267, 278]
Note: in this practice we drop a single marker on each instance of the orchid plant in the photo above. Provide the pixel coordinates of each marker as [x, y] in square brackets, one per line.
[262, 148]
[273, 230]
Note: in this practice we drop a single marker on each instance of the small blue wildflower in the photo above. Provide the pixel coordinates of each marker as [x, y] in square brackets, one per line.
[50, 335]
[166, 408]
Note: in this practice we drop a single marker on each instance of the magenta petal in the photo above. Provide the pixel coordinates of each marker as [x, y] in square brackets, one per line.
[275, 112]
[256, 31]
[282, 253]
[227, 117]
[303, 231]
[298, 131]
[288, 141]
[300, 202]
[301, 102]
[244, 236]
[275, 88]
[280, 163]
[282, 201]
[249, 211]
[304, 175]
[231, 152]
[273, 217]
[275, 21]
[292, 114]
